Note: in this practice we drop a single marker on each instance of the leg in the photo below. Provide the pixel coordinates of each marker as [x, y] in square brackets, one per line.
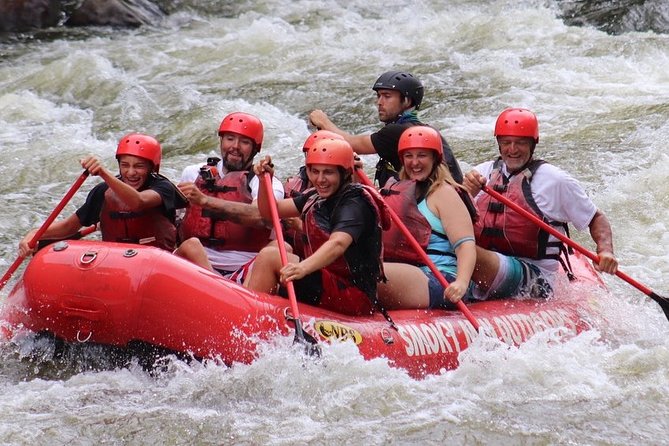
[508, 276]
[289, 249]
[406, 287]
[193, 251]
[264, 276]
[486, 269]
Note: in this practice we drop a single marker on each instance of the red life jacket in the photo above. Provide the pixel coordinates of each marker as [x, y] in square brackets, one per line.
[216, 232]
[297, 184]
[504, 230]
[146, 227]
[294, 187]
[400, 196]
[340, 292]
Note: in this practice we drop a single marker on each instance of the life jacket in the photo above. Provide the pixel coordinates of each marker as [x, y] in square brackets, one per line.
[213, 230]
[294, 187]
[504, 230]
[344, 292]
[387, 169]
[297, 184]
[400, 196]
[146, 227]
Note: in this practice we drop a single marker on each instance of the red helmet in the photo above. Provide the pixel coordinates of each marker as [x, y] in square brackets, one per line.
[318, 136]
[335, 152]
[421, 137]
[243, 124]
[517, 122]
[141, 146]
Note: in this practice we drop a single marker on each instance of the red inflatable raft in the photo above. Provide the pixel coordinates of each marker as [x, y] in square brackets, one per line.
[115, 294]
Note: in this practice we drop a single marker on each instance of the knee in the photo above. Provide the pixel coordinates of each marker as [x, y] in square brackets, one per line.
[267, 255]
[189, 247]
[275, 243]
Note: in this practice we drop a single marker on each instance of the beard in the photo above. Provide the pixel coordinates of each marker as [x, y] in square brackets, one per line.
[235, 165]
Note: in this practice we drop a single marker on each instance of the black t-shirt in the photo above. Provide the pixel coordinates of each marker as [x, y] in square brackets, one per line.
[89, 213]
[350, 212]
[386, 142]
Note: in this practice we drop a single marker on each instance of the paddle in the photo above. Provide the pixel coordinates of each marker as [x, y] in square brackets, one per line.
[419, 250]
[73, 189]
[662, 301]
[310, 343]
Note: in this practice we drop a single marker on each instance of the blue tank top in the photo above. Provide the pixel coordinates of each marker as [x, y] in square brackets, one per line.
[445, 260]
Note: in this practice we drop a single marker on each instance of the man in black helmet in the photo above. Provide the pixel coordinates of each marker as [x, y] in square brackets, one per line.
[398, 98]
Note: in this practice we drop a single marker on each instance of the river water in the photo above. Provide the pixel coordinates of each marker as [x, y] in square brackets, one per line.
[603, 104]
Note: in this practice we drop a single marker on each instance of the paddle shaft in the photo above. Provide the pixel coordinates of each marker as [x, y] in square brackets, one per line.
[267, 183]
[591, 255]
[419, 250]
[73, 189]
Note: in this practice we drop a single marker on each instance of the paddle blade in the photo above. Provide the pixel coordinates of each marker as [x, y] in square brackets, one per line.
[662, 301]
[311, 347]
[14, 266]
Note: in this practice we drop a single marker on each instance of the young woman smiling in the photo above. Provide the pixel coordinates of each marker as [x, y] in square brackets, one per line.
[427, 200]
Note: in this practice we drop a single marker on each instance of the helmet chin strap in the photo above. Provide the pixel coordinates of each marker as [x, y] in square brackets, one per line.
[252, 157]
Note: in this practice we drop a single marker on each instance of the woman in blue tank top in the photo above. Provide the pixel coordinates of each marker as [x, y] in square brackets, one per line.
[440, 212]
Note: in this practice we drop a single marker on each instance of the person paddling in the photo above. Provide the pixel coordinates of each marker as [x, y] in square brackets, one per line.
[427, 200]
[222, 229]
[136, 206]
[295, 186]
[513, 255]
[343, 224]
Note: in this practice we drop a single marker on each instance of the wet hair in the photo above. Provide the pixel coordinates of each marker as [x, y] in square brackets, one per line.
[346, 176]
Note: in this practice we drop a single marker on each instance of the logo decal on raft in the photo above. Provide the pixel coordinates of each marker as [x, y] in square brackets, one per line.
[445, 337]
[334, 331]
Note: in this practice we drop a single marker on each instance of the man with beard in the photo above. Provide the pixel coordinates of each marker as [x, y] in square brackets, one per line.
[222, 229]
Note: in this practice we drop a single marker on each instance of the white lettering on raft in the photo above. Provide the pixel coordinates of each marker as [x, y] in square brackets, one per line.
[442, 337]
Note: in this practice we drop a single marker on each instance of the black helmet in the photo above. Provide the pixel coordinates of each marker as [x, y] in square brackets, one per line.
[405, 83]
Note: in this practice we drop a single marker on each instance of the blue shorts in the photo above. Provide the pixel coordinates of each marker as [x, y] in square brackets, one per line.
[437, 291]
[518, 277]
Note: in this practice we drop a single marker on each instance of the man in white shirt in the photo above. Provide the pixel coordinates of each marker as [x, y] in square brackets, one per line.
[514, 256]
[222, 229]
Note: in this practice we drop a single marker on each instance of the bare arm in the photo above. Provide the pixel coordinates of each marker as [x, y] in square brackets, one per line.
[325, 255]
[447, 205]
[473, 182]
[362, 144]
[131, 197]
[601, 233]
[241, 213]
[57, 230]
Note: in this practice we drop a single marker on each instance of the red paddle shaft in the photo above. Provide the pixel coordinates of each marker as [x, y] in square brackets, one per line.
[419, 250]
[300, 335]
[73, 189]
[662, 301]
